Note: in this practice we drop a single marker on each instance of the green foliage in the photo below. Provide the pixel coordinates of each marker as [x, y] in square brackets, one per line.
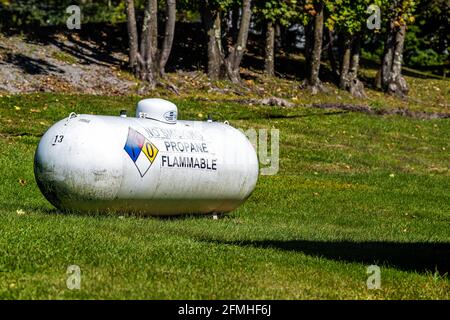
[427, 41]
[402, 12]
[427, 57]
[282, 12]
[222, 5]
[23, 13]
[308, 12]
[64, 57]
[349, 16]
[419, 51]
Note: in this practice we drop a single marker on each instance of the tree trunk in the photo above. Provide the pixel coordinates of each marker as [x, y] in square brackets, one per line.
[212, 24]
[382, 76]
[279, 36]
[308, 48]
[154, 31]
[345, 63]
[314, 81]
[269, 65]
[396, 83]
[145, 32]
[169, 32]
[354, 62]
[356, 86]
[331, 57]
[133, 38]
[389, 78]
[147, 47]
[236, 52]
[146, 60]
[220, 63]
[235, 21]
[349, 66]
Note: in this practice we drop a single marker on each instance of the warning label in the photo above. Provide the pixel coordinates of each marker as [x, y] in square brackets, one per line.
[188, 154]
[189, 162]
[150, 150]
[140, 150]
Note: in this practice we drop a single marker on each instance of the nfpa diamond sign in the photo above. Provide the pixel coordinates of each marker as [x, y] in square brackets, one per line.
[140, 150]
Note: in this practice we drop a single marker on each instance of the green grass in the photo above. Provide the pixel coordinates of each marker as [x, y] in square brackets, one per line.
[352, 190]
[64, 57]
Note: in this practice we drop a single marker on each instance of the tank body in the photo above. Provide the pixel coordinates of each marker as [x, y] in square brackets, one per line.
[92, 163]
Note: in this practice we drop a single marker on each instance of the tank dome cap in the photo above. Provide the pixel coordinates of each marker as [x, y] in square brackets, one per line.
[157, 109]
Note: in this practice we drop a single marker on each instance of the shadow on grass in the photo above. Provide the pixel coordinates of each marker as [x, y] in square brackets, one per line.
[408, 256]
[271, 116]
[423, 257]
[294, 116]
[114, 214]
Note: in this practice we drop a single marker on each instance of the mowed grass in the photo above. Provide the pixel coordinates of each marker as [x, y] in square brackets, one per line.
[353, 190]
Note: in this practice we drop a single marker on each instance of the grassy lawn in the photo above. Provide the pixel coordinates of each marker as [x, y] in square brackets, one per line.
[353, 190]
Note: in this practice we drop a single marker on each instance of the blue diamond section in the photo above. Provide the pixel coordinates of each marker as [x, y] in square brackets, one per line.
[134, 143]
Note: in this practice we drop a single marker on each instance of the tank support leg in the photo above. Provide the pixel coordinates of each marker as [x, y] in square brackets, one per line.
[216, 215]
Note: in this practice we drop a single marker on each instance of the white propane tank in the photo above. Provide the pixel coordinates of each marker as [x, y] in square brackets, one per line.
[151, 164]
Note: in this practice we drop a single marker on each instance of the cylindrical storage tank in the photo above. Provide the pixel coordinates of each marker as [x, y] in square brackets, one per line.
[145, 165]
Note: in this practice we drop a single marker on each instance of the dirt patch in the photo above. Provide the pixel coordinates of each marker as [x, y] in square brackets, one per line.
[369, 110]
[52, 67]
